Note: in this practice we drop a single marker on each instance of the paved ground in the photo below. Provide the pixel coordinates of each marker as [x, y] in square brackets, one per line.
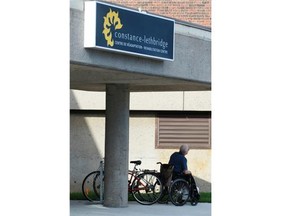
[85, 208]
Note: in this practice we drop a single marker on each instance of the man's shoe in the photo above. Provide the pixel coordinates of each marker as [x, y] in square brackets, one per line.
[194, 202]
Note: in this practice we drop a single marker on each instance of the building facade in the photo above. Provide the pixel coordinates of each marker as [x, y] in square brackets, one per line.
[160, 120]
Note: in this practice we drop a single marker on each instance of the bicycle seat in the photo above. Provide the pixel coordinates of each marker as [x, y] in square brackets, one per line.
[137, 162]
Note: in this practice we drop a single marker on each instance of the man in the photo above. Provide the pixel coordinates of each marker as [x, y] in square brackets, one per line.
[179, 161]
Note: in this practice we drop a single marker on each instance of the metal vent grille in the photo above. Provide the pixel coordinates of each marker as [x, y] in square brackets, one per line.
[173, 132]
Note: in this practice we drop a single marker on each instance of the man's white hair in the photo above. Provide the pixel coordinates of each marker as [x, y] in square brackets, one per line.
[184, 148]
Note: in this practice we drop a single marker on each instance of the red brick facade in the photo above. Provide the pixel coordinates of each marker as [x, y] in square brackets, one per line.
[193, 11]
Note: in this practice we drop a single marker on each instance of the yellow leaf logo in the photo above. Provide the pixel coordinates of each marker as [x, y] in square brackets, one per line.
[111, 23]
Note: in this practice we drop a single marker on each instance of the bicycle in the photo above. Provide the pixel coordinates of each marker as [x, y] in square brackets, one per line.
[91, 185]
[144, 185]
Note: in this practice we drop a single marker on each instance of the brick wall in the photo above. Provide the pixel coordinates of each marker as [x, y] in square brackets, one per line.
[193, 11]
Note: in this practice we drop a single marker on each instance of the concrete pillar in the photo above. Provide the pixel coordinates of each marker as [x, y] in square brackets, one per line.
[116, 145]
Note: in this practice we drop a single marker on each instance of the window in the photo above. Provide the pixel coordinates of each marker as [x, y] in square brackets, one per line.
[173, 131]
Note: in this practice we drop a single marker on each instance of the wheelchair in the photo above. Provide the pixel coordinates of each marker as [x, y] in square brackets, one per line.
[176, 188]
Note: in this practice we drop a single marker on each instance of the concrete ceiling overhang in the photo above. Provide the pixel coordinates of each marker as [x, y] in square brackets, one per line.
[92, 78]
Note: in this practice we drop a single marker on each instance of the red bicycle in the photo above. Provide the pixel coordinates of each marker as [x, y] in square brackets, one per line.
[144, 185]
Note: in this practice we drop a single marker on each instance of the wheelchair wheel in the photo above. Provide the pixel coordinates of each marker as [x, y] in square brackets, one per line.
[179, 192]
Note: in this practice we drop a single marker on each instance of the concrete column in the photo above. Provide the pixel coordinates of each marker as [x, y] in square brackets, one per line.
[116, 146]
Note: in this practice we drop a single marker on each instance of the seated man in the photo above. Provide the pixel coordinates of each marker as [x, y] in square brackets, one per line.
[179, 161]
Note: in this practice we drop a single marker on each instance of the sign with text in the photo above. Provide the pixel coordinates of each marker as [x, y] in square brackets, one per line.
[122, 30]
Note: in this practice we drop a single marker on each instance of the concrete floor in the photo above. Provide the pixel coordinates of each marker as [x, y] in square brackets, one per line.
[80, 207]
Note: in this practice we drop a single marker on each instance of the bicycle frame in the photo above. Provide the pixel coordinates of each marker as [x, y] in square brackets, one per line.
[133, 175]
[143, 182]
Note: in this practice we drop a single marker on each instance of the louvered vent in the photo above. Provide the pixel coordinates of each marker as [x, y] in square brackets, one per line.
[173, 132]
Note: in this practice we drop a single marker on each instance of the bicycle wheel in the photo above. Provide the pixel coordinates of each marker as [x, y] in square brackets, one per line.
[146, 189]
[179, 192]
[91, 186]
